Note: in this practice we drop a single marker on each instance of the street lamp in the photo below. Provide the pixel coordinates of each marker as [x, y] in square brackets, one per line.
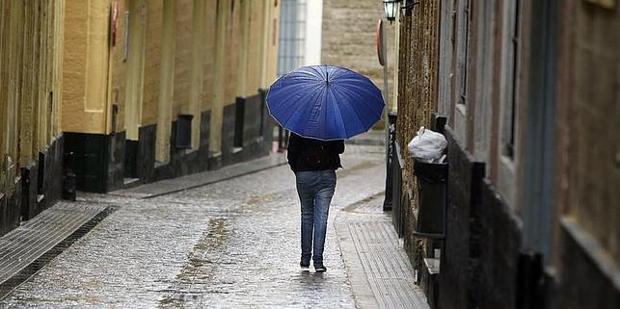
[391, 9]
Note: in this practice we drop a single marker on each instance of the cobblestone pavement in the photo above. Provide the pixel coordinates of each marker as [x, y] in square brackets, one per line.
[229, 244]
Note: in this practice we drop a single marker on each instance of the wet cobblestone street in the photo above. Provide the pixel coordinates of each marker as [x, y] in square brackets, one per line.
[225, 245]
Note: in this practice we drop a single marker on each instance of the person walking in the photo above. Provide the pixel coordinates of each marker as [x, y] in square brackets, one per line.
[314, 163]
[325, 104]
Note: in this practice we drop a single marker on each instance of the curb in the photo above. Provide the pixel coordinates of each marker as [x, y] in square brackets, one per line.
[179, 184]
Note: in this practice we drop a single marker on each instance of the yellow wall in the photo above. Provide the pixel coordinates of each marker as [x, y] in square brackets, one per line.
[215, 137]
[119, 71]
[245, 57]
[232, 54]
[60, 73]
[182, 58]
[4, 60]
[86, 66]
[197, 68]
[255, 55]
[208, 53]
[137, 15]
[152, 68]
[270, 43]
[14, 65]
[166, 90]
[30, 80]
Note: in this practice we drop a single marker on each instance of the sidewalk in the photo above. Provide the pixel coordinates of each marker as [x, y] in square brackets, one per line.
[379, 270]
[178, 184]
[232, 243]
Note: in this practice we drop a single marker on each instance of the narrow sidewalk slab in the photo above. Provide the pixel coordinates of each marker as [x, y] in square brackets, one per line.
[380, 273]
[31, 246]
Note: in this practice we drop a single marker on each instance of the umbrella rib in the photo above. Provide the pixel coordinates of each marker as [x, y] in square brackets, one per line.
[349, 106]
[306, 104]
[352, 93]
[301, 110]
[293, 98]
[371, 93]
[359, 96]
[337, 109]
[305, 109]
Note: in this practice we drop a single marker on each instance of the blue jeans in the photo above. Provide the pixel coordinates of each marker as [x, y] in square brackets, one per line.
[315, 189]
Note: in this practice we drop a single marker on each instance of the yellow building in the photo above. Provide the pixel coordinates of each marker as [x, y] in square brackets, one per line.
[121, 91]
[30, 81]
[156, 89]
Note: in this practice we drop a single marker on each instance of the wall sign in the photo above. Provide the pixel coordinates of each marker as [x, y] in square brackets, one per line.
[380, 42]
[114, 22]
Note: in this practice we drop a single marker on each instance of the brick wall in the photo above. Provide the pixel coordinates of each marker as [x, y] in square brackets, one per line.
[349, 37]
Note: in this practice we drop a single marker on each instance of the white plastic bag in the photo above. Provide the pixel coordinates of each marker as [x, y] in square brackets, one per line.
[428, 146]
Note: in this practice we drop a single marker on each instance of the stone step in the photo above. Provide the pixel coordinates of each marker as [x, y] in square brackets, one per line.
[430, 280]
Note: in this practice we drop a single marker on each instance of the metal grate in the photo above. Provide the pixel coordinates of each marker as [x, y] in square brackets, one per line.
[28, 248]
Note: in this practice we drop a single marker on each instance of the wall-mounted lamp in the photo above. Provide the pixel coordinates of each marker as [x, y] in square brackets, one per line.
[391, 9]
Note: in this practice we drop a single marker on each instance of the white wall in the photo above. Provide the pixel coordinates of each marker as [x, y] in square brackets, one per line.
[313, 32]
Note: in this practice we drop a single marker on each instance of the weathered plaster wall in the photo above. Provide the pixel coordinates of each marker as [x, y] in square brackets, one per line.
[207, 53]
[119, 65]
[31, 48]
[182, 57]
[85, 68]
[152, 62]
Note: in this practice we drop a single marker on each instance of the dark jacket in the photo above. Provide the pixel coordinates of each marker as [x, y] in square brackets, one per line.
[305, 154]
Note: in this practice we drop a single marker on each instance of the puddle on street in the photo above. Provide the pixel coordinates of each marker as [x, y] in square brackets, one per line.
[201, 261]
[260, 199]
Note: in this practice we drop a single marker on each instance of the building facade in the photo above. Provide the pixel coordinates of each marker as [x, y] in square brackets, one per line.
[122, 92]
[300, 34]
[349, 39]
[164, 96]
[31, 141]
[526, 93]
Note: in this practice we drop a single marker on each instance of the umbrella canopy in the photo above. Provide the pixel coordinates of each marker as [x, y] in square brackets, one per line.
[325, 102]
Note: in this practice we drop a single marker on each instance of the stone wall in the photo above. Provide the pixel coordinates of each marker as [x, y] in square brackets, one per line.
[349, 37]
[417, 98]
[531, 220]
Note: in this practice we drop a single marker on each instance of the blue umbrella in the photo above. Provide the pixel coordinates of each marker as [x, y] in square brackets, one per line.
[325, 102]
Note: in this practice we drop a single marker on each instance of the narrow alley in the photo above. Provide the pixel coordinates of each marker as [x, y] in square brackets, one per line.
[229, 244]
[184, 154]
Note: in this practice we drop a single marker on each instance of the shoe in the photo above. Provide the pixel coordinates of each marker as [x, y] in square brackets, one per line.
[305, 266]
[320, 268]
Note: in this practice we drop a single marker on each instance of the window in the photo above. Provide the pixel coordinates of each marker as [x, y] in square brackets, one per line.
[464, 50]
[508, 138]
[291, 52]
